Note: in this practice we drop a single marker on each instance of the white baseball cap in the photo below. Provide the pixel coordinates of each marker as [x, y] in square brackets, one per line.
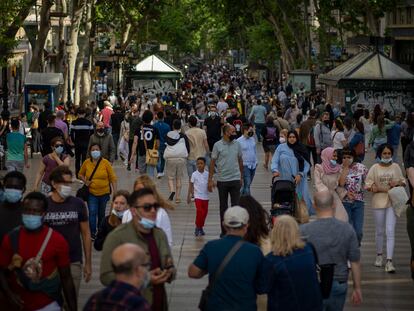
[235, 217]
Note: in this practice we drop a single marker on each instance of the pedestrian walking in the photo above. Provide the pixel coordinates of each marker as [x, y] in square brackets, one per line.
[49, 163]
[249, 156]
[98, 175]
[105, 141]
[81, 130]
[163, 129]
[16, 155]
[258, 116]
[382, 177]
[198, 189]
[175, 155]
[270, 134]
[197, 140]
[227, 156]
[322, 135]
[50, 132]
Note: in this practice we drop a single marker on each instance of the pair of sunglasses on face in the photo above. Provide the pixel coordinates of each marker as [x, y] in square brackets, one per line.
[148, 207]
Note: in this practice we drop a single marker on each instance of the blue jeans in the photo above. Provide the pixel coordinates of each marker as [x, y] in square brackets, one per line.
[394, 157]
[336, 300]
[96, 207]
[248, 175]
[259, 127]
[161, 160]
[355, 212]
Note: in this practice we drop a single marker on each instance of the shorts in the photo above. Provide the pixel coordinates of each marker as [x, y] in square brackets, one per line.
[175, 167]
[269, 148]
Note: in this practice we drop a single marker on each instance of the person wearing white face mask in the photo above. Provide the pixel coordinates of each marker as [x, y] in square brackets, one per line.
[98, 175]
[68, 215]
[50, 162]
[381, 178]
[142, 231]
[114, 219]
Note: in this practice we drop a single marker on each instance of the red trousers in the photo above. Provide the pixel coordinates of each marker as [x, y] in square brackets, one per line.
[201, 212]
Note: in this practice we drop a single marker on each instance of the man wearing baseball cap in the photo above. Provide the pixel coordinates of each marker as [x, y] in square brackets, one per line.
[233, 266]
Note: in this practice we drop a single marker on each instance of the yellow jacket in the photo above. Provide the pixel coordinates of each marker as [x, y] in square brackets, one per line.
[104, 175]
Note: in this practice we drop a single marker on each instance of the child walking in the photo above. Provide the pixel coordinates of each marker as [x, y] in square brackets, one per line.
[198, 189]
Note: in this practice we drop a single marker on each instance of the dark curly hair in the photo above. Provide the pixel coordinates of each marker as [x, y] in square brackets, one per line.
[258, 225]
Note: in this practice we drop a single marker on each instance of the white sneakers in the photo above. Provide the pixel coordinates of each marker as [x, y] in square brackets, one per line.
[389, 266]
[159, 175]
[378, 261]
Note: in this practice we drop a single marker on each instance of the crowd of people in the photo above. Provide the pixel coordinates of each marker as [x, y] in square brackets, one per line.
[209, 131]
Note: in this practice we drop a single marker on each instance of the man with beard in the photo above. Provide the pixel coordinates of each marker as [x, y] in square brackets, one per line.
[105, 140]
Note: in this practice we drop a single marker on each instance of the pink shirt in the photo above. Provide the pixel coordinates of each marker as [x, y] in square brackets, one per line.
[61, 125]
[106, 116]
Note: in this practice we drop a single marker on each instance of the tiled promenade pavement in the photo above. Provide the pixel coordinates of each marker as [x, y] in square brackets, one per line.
[381, 291]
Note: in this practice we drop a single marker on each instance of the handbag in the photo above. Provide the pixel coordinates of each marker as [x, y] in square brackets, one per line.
[151, 155]
[301, 213]
[399, 199]
[83, 192]
[325, 274]
[202, 305]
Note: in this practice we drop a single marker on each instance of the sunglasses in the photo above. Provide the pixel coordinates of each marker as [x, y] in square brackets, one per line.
[148, 207]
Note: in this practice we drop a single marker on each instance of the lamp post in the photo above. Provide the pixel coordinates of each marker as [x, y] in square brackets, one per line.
[5, 88]
[117, 57]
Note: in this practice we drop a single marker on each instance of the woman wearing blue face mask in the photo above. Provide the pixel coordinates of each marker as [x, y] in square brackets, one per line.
[114, 219]
[326, 177]
[100, 184]
[382, 177]
[49, 163]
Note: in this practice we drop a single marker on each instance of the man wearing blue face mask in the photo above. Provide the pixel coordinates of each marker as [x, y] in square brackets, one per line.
[36, 259]
[68, 215]
[142, 231]
[11, 206]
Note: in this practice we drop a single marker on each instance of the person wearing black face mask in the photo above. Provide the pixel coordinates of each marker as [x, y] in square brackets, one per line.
[248, 147]
[105, 140]
[227, 155]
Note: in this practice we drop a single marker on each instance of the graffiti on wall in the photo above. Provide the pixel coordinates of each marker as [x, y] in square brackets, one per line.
[154, 86]
[394, 102]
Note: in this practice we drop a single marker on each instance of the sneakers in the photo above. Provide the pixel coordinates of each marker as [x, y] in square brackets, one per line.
[128, 167]
[389, 267]
[199, 232]
[378, 261]
[159, 175]
[171, 197]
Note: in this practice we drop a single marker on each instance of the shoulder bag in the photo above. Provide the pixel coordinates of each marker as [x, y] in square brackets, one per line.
[325, 274]
[83, 192]
[202, 305]
[151, 155]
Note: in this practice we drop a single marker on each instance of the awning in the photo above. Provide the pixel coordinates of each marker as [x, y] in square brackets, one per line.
[43, 78]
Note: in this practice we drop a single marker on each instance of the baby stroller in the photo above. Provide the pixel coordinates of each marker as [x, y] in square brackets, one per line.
[283, 198]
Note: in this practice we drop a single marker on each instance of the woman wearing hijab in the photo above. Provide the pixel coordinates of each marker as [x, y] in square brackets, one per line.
[327, 178]
[291, 162]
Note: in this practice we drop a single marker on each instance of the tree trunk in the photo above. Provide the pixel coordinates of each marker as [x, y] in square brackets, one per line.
[72, 48]
[37, 58]
[61, 48]
[295, 33]
[324, 41]
[287, 56]
[372, 22]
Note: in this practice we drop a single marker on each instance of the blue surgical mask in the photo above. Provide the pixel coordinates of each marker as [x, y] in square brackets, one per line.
[12, 195]
[386, 161]
[59, 150]
[96, 154]
[333, 162]
[32, 222]
[147, 223]
[118, 214]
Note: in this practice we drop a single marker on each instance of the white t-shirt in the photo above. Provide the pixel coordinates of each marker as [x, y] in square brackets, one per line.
[337, 139]
[221, 107]
[200, 182]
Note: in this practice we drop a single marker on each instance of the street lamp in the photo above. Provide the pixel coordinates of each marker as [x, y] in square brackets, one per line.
[118, 57]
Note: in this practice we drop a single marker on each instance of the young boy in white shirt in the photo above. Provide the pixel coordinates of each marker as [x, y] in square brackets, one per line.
[198, 189]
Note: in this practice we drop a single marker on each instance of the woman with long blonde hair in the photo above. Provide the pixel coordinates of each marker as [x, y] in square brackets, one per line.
[163, 220]
[291, 281]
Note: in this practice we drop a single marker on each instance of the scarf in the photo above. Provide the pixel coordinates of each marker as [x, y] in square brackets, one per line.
[326, 156]
[301, 154]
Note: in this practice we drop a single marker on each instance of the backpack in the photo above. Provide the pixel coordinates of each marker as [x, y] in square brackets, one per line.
[270, 133]
[311, 139]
